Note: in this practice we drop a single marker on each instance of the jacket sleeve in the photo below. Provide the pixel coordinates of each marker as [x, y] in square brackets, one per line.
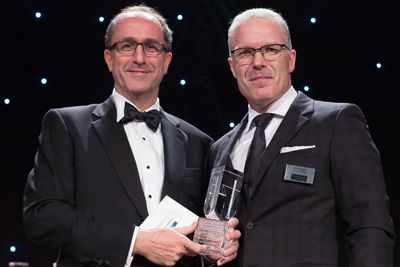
[360, 191]
[50, 216]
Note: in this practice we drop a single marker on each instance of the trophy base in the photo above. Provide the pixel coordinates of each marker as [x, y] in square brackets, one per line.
[211, 233]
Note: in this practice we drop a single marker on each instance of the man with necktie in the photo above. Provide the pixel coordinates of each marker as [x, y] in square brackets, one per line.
[101, 169]
[314, 192]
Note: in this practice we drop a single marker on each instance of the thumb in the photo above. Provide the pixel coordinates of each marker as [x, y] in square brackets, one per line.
[186, 230]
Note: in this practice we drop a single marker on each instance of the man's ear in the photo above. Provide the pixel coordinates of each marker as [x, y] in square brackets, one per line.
[230, 61]
[108, 58]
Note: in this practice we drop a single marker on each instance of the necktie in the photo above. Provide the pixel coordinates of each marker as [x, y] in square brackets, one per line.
[256, 150]
[152, 118]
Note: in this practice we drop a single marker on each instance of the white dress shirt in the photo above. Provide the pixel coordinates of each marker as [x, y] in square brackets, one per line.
[148, 150]
[279, 109]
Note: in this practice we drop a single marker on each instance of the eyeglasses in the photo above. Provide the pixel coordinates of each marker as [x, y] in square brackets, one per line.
[150, 48]
[245, 55]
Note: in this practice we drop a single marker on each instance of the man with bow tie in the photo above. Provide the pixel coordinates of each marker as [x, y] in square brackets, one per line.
[314, 192]
[100, 170]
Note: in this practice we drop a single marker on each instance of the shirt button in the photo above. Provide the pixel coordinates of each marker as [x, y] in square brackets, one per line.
[144, 138]
[150, 196]
[250, 226]
[148, 167]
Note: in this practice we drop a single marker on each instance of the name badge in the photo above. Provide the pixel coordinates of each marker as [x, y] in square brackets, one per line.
[299, 174]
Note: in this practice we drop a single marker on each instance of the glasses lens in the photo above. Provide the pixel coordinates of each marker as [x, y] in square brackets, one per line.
[125, 47]
[271, 51]
[152, 48]
[243, 55]
[246, 55]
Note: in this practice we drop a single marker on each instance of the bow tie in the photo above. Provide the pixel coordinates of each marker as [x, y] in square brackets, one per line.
[152, 118]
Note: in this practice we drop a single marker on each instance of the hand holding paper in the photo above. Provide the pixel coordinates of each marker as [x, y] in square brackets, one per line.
[162, 236]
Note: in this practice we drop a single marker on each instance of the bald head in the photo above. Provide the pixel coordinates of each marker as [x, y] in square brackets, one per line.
[262, 13]
[140, 11]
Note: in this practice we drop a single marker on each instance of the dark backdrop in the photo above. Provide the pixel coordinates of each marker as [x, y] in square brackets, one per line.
[336, 59]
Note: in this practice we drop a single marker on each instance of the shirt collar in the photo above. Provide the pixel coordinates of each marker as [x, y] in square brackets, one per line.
[119, 101]
[279, 108]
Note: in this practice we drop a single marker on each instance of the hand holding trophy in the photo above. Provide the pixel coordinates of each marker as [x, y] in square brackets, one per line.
[220, 205]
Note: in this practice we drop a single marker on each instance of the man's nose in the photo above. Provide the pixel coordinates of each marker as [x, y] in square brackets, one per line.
[258, 58]
[139, 55]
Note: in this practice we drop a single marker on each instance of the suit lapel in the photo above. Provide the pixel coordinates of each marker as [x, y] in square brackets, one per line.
[116, 144]
[296, 117]
[175, 153]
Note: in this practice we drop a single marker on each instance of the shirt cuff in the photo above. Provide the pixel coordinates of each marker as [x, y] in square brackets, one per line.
[130, 257]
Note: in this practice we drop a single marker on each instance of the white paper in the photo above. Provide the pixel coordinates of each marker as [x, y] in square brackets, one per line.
[169, 213]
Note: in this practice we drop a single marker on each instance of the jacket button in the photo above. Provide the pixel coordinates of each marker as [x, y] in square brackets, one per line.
[250, 226]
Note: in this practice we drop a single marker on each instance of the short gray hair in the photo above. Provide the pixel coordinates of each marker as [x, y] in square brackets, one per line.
[264, 13]
[167, 32]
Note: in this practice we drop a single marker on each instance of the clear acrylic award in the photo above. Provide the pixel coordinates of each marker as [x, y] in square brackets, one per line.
[221, 203]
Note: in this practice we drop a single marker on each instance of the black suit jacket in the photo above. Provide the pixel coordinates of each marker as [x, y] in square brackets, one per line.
[341, 219]
[84, 195]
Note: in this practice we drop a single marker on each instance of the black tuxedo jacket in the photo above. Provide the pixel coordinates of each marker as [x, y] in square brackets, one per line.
[84, 195]
[341, 219]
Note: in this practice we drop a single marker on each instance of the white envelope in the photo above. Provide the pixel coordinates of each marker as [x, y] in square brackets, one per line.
[169, 213]
[287, 149]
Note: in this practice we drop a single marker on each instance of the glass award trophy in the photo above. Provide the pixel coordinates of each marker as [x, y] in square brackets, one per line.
[220, 205]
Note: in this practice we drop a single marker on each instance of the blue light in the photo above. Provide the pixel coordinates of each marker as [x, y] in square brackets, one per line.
[182, 82]
[378, 65]
[38, 15]
[313, 20]
[7, 101]
[101, 19]
[43, 81]
[306, 88]
[13, 249]
[179, 17]
[231, 124]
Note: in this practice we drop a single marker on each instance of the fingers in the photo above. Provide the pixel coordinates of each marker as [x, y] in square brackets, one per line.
[192, 248]
[229, 254]
[233, 234]
[166, 246]
[233, 222]
[186, 230]
[232, 246]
